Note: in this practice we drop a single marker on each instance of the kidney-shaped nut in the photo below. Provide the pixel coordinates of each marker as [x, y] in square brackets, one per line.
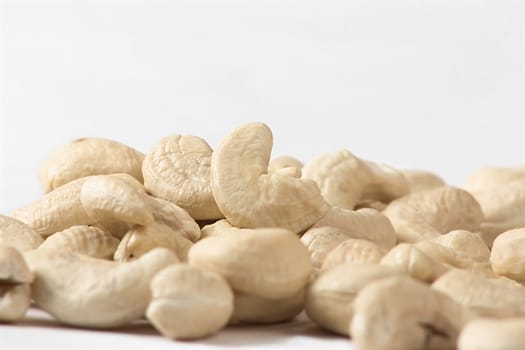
[89, 156]
[491, 334]
[495, 297]
[465, 244]
[503, 207]
[219, 227]
[249, 196]
[488, 177]
[419, 180]
[268, 263]
[508, 254]
[400, 313]
[87, 240]
[83, 291]
[283, 162]
[445, 255]
[177, 169]
[320, 241]
[256, 310]
[428, 214]
[365, 223]
[141, 239]
[346, 180]
[15, 277]
[356, 251]
[188, 302]
[409, 258]
[16, 234]
[329, 298]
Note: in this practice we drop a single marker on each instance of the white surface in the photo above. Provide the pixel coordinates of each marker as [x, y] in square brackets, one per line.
[433, 84]
[39, 328]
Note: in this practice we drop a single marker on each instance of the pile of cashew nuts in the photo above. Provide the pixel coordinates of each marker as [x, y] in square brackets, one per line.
[195, 239]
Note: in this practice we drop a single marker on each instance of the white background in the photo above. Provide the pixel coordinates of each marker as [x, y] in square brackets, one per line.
[438, 85]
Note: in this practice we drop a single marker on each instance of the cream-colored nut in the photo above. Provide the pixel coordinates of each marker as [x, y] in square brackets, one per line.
[419, 180]
[491, 334]
[465, 244]
[175, 217]
[188, 302]
[16, 234]
[89, 292]
[444, 255]
[503, 207]
[400, 313]
[219, 227]
[107, 198]
[345, 180]
[177, 169]
[428, 214]
[284, 162]
[356, 251]
[268, 263]
[489, 177]
[371, 204]
[249, 196]
[320, 241]
[89, 156]
[141, 239]
[508, 254]
[365, 223]
[329, 298]
[495, 297]
[15, 277]
[88, 240]
[409, 258]
[257, 310]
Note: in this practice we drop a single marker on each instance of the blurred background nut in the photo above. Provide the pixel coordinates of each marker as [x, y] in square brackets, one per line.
[16, 234]
[492, 334]
[420, 180]
[508, 254]
[188, 302]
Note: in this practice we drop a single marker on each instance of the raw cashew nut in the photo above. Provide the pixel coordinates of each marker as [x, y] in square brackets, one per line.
[256, 310]
[15, 277]
[268, 263]
[177, 169]
[188, 302]
[428, 214]
[219, 227]
[365, 223]
[330, 297]
[284, 162]
[175, 218]
[508, 254]
[251, 197]
[320, 241]
[489, 177]
[409, 258]
[445, 255]
[419, 180]
[356, 251]
[141, 239]
[400, 313]
[87, 240]
[16, 234]
[491, 334]
[494, 297]
[84, 291]
[465, 244]
[89, 156]
[346, 180]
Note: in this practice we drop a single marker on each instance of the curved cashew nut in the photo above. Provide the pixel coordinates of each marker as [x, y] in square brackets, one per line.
[251, 197]
[16, 234]
[177, 169]
[489, 177]
[491, 334]
[508, 254]
[84, 291]
[89, 156]
[428, 214]
[237, 256]
[356, 251]
[465, 244]
[399, 313]
[346, 180]
[188, 302]
[419, 180]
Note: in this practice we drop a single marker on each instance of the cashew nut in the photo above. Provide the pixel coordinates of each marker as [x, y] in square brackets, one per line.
[491, 334]
[15, 277]
[419, 180]
[16, 234]
[400, 313]
[249, 196]
[177, 169]
[346, 180]
[356, 251]
[89, 156]
[428, 214]
[465, 244]
[489, 177]
[320, 241]
[508, 254]
[188, 302]
[238, 256]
